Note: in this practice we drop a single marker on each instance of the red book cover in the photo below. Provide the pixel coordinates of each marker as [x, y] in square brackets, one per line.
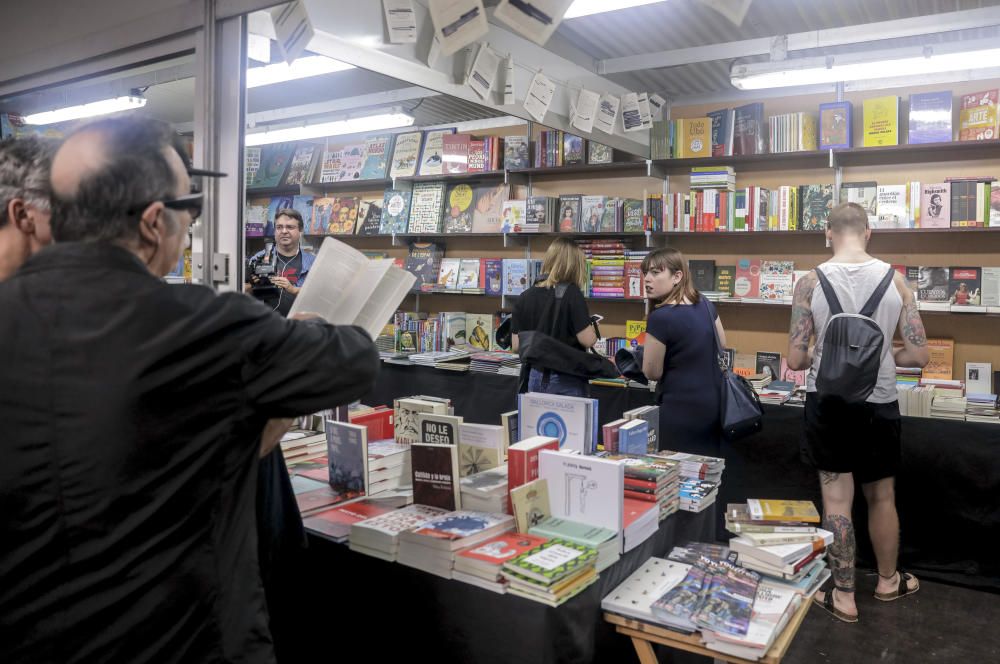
[379, 423]
[747, 282]
[500, 549]
[310, 501]
[315, 469]
[632, 509]
[337, 522]
[435, 475]
[641, 497]
[640, 485]
[455, 153]
[522, 461]
[477, 156]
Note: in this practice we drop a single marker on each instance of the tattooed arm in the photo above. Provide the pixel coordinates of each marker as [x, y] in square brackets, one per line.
[802, 327]
[914, 352]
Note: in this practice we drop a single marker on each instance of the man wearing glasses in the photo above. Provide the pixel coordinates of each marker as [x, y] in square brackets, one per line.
[290, 264]
[132, 415]
[25, 207]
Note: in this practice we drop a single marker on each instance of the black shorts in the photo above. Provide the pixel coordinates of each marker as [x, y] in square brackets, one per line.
[861, 439]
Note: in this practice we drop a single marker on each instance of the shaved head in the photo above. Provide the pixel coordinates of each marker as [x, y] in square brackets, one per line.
[107, 172]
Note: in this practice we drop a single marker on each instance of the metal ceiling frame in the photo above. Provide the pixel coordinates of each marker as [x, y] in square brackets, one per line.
[854, 34]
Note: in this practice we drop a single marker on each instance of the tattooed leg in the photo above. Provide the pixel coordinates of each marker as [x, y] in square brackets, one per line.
[842, 551]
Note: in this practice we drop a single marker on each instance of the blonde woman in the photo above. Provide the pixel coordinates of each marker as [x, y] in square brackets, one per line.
[680, 354]
[564, 265]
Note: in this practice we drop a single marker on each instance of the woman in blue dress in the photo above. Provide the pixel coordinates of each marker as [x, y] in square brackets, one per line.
[680, 355]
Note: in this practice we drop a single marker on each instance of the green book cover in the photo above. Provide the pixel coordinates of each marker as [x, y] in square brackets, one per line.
[724, 277]
[553, 560]
[574, 531]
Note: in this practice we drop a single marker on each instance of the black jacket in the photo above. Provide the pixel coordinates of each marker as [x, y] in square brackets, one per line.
[130, 419]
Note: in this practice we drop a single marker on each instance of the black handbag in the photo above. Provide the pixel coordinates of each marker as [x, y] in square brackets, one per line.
[539, 350]
[739, 406]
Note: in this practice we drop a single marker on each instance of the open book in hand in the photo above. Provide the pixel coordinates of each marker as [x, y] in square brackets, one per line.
[345, 287]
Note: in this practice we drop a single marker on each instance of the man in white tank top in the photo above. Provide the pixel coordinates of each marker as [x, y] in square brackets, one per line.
[847, 443]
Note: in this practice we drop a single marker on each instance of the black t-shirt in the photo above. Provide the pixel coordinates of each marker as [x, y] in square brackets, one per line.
[530, 313]
[276, 298]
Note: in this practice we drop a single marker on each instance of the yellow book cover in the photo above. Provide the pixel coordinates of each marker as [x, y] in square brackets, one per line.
[531, 504]
[766, 509]
[942, 356]
[635, 332]
[978, 116]
[881, 115]
[696, 137]
[793, 204]
[809, 132]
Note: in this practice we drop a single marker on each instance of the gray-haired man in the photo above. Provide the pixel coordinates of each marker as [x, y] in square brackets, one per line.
[25, 207]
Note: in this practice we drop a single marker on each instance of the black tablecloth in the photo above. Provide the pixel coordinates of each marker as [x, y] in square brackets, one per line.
[948, 489]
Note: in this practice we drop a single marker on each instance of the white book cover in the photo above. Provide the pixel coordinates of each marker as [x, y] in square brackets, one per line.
[644, 586]
[480, 448]
[978, 378]
[536, 20]
[347, 288]
[567, 419]
[406, 414]
[458, 23]
[991, 287]
[607, 113]
[400, 20]
[448, 274]
[891, 207]
[539, 96]
[776, 280]
[484, 71]
[397, 521]
[468, 275]
[584, 489]
[586, 109]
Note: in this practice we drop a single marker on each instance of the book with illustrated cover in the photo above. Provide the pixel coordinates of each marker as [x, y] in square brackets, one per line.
[750, 130]
[478, 328]
[816, 204]
[569, 214]
[489, 206]
[496, 551]
[891, 206]
[376, 156]
[935, 205]
[632, 216]
[978, 116]
[694, 137]
[438, 429]
[405, 154]
[301, 166]
[864, 194]
[351, 161]
[552, 561]
[573, 150]
[256, 216]
[593, 213]
[494, 276]
[427, 203]
[965, 286]
[329, 166]
[515, 276]
[598, 153]
[747, 283]
[303, 204]
[677, 605]
[435, 475]
[941, 365]
[515, 152]
[424, 262]
[932, 284]
[768, 363]
[469, 274]
[480, 448]
[458, 530]
[347, 458]
[277, 204]
[930, 117]
[432, 154]
[721, 131]
[458, 209]
[455, 153]
[513, 216]
[531, 504]
[448, 273]
[881, 117]
[251, 164]
[395, 212]
[729, 599]
[835, 125]
[343, 216]
[274, 160]
[318, 223]
[369, 216]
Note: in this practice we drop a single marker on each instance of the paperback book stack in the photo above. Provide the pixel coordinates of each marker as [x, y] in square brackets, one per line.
[982, 408]
[602, 540]
[388, 466]
[652, 479]
[700, 478]
[696, 495]
[497, 362]
[439, 357]
[301, 446]
[431, 546]
[486, 491]
[482, 565]
[773, 606]
[778, 538]
[335, 523]
[551, 573]
[379, 536]
[641, 521]
[948, 405]
[713, 177]
[606, 267]
[715, 595]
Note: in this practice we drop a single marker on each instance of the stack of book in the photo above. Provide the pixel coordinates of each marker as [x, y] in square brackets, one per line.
[695, 466]
[759, 381]
[298, 446]
[715, 595]
[497, 362]
[606, 267]
[482, 565]
[778, 538]
[641, 519]
[652, 479]
[379, 536]
[773, 606]
[696, 495]
[486, 491]
[431, 546]
[335, 523]
[603, 540]
[982, 408]
[388, 466]
[440, 357]
[948, 406]
[777, 392]
[551, 573]
[713, 177]
[915, 400]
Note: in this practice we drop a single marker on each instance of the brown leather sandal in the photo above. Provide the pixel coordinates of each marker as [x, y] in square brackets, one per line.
[902, 587]
[827, 605]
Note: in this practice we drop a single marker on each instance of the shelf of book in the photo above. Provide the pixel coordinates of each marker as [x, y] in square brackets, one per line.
[788, 305]
[454, 177]
[637, 168]
[781, 161]
[345, 186]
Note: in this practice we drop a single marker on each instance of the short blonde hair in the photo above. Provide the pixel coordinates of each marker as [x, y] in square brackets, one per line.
[564, 262]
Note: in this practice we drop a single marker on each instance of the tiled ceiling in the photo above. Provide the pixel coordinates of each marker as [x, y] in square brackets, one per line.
[676, 24]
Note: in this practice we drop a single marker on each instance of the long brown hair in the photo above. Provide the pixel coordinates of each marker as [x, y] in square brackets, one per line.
[564, 262]
[672, 260]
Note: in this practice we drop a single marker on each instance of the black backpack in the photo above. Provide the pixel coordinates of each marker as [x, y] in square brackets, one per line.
[852, 347]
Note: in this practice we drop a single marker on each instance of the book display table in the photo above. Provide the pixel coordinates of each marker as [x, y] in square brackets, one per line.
[946, 491]
[397, 613]
[644, 635]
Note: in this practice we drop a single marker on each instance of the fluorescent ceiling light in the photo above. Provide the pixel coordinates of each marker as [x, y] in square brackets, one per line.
[587, 7]
[857, 67]
[358, 125]
[311, 65]
[102, 107]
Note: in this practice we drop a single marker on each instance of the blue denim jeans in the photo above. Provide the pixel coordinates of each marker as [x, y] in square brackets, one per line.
[558, 383]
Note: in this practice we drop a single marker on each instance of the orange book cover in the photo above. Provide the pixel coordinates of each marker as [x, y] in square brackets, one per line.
[942, 359]
[978, 116]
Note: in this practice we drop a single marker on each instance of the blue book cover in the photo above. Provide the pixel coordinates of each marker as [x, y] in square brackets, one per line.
[304, 205]
[930, 117]
[633, 438]
[347, 457]
[515, 276]
[835, 125]
[395, 212]
[494, 276]
[377, 151]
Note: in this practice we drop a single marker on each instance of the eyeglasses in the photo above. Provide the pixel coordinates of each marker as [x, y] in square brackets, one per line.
[190, 202]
